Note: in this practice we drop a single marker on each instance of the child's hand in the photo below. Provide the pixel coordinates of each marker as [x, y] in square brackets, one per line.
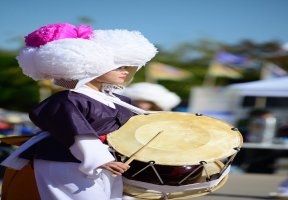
[116, 168]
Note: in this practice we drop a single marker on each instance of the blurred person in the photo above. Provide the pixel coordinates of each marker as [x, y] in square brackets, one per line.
[258, 127]
[70, 159]
[151, 97]
[261, 126]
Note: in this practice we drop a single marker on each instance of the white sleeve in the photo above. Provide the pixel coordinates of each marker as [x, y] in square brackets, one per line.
[91, 152]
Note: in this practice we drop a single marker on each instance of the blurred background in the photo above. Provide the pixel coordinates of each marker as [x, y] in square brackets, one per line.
[225, 59]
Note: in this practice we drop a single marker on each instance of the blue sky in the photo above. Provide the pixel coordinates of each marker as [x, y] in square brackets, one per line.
[164, 22]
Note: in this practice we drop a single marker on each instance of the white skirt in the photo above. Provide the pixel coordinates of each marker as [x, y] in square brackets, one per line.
[64, 181]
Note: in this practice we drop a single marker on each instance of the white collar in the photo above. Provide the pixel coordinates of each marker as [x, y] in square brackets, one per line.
[109, 100]
[98, 96]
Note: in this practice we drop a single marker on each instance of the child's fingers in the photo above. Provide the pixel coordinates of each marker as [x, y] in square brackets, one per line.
[116, 167]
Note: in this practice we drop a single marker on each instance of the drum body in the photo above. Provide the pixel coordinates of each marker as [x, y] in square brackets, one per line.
[191, 188]
[19, 184]
[162, 174]
[175, 154]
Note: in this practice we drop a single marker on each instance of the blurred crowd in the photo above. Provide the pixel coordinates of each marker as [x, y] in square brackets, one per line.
[15, 123]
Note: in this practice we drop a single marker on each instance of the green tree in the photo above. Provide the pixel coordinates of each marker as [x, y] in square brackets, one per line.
[18, 92]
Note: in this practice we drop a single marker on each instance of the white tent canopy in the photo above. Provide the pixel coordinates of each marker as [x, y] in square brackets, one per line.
[277, 87]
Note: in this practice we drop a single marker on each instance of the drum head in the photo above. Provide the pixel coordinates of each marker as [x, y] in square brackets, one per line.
[212, 168]
[185, 138]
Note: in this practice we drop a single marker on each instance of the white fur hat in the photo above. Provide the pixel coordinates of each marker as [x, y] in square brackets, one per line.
[155, 93]
[130, 48]
[69, 59]
[81, 58]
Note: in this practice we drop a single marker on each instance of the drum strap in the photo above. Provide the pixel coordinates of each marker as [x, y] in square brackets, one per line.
[14, 161]
[171, 189]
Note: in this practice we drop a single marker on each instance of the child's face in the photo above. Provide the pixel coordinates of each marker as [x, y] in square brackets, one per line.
[117, 76]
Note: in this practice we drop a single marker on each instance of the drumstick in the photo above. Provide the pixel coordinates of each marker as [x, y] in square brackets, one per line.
[145, 145]
[141, 148]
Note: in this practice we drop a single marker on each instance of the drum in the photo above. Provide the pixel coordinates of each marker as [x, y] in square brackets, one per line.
[175, 155]
[19, 184]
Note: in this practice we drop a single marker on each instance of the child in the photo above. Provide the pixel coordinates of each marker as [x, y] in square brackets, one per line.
[71, 162]
[151, 96]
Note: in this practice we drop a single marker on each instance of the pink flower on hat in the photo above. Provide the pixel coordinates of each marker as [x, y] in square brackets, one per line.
[53, 32]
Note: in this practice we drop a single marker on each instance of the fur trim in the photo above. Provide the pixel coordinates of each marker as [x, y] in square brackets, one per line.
[68, 59]
[130, 48]
[155, 93]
